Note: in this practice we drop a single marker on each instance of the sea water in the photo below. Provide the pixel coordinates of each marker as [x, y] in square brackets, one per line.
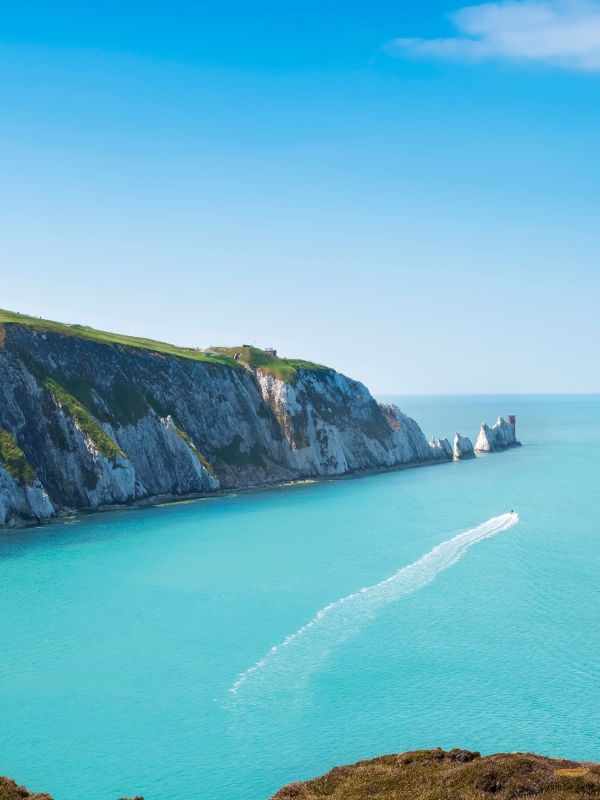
[218, 649]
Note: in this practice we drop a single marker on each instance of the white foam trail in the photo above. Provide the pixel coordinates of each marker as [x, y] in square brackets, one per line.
[287, 666]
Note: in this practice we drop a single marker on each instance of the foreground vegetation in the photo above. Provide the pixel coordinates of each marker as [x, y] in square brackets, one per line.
[9, 790]
[429, 775]
[453, 775]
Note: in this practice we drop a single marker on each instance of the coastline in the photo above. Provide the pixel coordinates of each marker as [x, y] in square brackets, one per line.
[160, 500]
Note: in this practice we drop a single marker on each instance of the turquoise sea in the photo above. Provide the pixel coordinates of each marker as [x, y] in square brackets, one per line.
[122, 635]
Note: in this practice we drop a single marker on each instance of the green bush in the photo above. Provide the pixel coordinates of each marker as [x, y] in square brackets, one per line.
[13, 460]
[183, 435]
[85, 421]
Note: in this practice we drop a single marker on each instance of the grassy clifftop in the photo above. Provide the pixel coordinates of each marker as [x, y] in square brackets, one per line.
[93, 335]
[452, 775]
[284, 368]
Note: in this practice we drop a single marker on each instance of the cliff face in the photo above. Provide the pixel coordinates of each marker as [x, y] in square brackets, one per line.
[331, 425]
[499, 437]
[89, 422]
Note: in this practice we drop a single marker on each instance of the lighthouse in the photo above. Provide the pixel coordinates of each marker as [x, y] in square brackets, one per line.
[512, 421]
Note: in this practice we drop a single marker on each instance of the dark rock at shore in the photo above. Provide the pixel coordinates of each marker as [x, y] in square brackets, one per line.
[452, 775]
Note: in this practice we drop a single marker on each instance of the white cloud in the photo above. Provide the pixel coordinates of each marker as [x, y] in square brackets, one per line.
[564, 33]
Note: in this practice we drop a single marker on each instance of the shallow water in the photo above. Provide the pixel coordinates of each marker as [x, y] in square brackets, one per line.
[123, 635]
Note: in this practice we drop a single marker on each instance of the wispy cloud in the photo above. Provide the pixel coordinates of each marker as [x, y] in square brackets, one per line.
[563, 33]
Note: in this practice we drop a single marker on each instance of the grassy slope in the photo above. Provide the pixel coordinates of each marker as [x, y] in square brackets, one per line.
[86, 422]
[13, 460]
[453, 775]
[207, 466]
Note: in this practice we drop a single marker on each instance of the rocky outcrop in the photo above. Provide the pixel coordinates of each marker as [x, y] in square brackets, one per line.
[460, 774]
[99, 422]
[499, 437]
[463, 448]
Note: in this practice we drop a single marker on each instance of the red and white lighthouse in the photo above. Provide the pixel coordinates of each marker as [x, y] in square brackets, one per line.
[512, 421]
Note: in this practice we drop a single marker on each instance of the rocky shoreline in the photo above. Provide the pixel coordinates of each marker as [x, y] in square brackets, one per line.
[156, 501]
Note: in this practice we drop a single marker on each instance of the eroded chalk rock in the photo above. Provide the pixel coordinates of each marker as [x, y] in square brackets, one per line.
[440, 449]
[499, 437]
[463, 448]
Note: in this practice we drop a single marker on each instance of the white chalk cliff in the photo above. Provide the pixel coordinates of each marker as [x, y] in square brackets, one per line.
[28, 502]
[332, 425]
[499, 437]
[95, 424]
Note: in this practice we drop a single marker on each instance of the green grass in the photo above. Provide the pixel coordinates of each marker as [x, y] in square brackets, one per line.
[286, 369]
[85, 421]
[13, 460]
[103, 337]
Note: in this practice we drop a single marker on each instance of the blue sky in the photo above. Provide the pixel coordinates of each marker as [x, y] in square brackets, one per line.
[405, 191]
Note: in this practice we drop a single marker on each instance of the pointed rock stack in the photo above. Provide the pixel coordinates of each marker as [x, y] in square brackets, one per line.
[463, 448]
[500, 436]
[440, 449]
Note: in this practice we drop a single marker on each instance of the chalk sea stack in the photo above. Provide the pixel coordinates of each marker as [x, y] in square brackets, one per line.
[500, 436]
[463, 448]
[441, 448]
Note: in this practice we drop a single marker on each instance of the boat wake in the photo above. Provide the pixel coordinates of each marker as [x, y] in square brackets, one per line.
[287, 666]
